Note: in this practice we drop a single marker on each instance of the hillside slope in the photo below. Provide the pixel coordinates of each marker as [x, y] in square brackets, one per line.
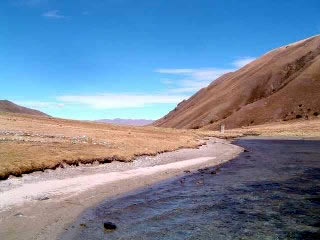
[7, 106]
[283, 84]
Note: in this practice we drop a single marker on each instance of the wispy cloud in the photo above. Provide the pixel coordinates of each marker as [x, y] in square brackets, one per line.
[204, 74]
[54, 14]
[189, 80]
[181, 82]
[241, 62]
[113, 101]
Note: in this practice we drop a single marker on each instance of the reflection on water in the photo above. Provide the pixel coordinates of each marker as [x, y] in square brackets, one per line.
[270, 192]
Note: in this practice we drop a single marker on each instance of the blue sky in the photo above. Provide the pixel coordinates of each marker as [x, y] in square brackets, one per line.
[94, 59]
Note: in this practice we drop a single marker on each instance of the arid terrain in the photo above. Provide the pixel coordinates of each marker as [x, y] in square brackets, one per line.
[275, 95]
[159, 120]
[29, 143]
[42, 205]
[283, 84]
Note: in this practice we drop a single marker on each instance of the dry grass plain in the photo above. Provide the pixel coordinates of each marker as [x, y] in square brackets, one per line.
[31, 143]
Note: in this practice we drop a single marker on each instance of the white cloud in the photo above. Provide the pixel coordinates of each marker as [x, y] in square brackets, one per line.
[202, 74]
[53, 14]
[192, 79]
[113, 101]
[241, 62]
[181, 82]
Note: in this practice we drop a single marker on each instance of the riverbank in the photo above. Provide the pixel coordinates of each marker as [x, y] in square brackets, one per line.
[31, 143]
[43, 205]
[270, 191]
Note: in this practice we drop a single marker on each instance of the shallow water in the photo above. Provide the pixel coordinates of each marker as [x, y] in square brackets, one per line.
[270, 192]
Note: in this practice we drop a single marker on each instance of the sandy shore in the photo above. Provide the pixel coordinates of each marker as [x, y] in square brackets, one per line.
[42, 205]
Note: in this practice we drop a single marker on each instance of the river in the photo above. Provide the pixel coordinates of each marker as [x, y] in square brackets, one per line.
[271, 191]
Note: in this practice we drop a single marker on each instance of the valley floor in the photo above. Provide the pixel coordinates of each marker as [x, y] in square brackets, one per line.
[43, 205]
[31, 143]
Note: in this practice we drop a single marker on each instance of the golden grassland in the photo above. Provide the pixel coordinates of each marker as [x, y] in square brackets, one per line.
[31, 143]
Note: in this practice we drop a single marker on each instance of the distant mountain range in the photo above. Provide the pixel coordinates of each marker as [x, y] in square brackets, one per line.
[7, 106]
[283, 84]
[131, 122]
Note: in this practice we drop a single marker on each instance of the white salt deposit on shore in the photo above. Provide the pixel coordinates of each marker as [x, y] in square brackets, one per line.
[47, 189]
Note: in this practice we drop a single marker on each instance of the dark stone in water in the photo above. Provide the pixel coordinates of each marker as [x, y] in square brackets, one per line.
[241, 212]
[246, 150]
[83, 225]
[187, 171]
[109, 226]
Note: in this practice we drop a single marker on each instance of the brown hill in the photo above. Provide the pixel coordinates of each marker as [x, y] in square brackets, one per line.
[283, 84]
[7, 106]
